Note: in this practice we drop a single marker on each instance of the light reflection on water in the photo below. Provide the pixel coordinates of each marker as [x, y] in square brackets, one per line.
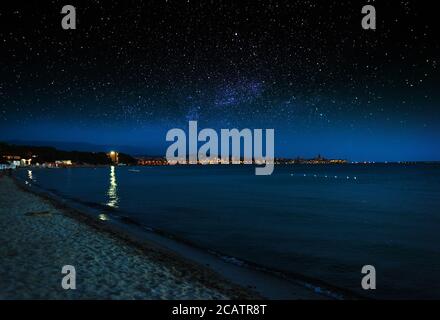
[289, 215]
[112, 192]
[30, 175]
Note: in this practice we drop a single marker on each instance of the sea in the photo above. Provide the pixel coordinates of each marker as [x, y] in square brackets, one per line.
[323, 222]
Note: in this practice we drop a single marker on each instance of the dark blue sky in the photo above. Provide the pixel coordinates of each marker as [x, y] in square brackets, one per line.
[132, 71]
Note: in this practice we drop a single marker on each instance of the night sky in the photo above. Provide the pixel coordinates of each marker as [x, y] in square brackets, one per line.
[132, 70]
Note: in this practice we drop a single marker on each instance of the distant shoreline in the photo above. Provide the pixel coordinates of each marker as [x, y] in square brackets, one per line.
[214, 165]
[46, 156]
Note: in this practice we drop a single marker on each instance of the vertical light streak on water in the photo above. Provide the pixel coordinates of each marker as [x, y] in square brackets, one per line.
[30, 176]
[112, 192]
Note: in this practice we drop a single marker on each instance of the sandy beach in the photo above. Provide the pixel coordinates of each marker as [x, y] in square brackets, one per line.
[37, 239]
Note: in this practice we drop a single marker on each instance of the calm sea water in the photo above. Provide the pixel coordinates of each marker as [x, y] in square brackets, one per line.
[323, 221]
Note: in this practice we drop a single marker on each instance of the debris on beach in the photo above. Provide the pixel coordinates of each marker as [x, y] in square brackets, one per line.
[38, 214]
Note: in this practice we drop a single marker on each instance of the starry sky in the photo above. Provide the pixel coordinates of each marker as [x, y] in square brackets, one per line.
[132, 70]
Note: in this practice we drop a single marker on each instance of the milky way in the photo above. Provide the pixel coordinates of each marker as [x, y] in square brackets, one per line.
[305, 68]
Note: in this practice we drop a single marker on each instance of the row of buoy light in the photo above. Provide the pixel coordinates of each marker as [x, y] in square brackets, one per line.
[327, 176]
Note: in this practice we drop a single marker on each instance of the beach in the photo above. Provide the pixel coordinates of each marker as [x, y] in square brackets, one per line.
[38, 238]
[304, 233]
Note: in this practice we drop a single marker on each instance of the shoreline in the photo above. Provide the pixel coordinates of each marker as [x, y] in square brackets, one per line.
[39, 237]
[207, 267]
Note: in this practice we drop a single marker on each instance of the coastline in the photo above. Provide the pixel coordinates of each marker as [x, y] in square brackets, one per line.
[38, 238]
[212, 277]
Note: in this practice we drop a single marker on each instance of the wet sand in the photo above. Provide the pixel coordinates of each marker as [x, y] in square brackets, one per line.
[37, 238]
